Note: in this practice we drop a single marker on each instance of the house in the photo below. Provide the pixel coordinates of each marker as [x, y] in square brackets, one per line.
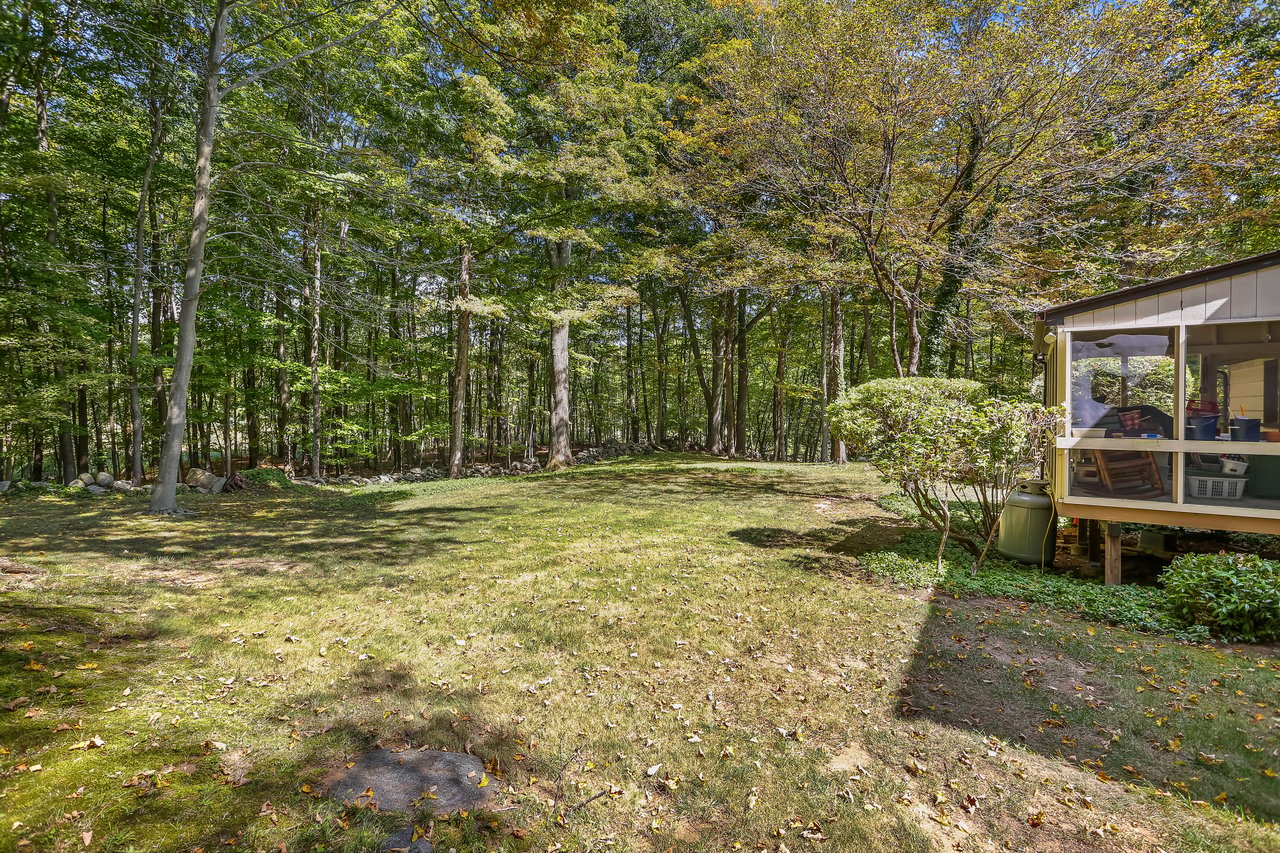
[1172, 394]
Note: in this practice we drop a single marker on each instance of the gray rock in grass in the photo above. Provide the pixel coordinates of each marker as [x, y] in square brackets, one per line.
[435, 781]
[402, 842]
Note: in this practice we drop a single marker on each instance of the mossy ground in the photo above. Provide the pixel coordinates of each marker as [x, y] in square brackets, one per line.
[655, 654]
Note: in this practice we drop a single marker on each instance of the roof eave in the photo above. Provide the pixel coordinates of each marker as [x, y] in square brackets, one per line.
[1055, 315]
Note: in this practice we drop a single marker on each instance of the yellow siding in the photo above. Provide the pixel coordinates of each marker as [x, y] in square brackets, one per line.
[1247, 384]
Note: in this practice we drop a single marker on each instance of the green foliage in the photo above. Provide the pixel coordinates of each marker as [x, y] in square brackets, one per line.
[272, 477]
[1236, 596]
[945, 446]
[912, 563]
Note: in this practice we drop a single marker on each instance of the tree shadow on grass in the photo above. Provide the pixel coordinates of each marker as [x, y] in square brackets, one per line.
[693, 483]
[1113, 705]
[1130, 707]
[165, 781]
[246, 533]
[832, 550]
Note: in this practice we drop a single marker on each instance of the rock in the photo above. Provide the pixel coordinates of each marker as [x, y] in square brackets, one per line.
[416, 471]
[215, 486]
[76, 484]
[402, 842]
[4, 486]
[105, 480]
[95, 489]
[202, 490]
[398, 779]
[88, 479]
[122, 486]
[193, 477]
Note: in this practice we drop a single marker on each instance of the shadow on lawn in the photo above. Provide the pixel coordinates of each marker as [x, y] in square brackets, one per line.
[144, 780]
[734, 483]
[831, 550]
[1129, 707]
[294, 525]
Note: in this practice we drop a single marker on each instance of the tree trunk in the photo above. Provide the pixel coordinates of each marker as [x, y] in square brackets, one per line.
[644, 379]
[139, 278]
[164, 497]
[37, 457]
[313, 353]
[559, 455]
[781, 333]
[835, 367]
[228, 440]
[531, 437]
[251, 414]
[633, 411]
[712, 389]
[660, 351]
[740, 399]
[461, 365]
[284, 393]
[82, 429]
[824, 443]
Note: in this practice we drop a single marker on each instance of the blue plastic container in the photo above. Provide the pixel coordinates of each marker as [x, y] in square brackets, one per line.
[1246, 429]
[1202, 427]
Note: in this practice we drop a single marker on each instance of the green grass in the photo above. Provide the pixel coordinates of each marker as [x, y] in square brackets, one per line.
[575, 631]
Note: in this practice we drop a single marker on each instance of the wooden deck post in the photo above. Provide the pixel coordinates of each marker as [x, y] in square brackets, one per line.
[1094, 530]
[1112, 570]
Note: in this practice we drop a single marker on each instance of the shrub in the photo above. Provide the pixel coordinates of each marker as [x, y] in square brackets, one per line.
[265, 476]
[946, 446]
[1235, 596]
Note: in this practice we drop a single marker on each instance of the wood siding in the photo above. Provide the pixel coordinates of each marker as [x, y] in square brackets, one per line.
[1249, 296]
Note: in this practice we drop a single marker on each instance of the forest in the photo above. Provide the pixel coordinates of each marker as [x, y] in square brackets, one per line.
[342, 236]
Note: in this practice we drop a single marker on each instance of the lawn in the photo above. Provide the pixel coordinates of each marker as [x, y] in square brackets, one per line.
[654, 654]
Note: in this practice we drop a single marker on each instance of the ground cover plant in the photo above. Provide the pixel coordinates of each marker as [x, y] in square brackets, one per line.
[667, 654]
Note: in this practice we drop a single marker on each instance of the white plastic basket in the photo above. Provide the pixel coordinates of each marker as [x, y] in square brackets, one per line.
[1234, 467]
[1215, 487]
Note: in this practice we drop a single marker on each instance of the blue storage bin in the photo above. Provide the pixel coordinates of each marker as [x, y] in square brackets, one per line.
[1202, 427]
[1246, 429]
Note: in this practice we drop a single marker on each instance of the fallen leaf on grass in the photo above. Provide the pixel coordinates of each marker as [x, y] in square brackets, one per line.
[94, 742]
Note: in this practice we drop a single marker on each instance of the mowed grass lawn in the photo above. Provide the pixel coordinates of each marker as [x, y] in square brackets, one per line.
[650, 655]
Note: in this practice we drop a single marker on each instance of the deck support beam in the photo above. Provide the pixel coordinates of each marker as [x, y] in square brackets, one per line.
[1112, 569]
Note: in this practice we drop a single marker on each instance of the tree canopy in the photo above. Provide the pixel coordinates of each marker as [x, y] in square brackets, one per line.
[446, 232]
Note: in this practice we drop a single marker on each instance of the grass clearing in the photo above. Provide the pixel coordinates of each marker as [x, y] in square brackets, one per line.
[691, 640]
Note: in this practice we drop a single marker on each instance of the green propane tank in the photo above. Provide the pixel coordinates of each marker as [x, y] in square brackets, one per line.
[1029, 524]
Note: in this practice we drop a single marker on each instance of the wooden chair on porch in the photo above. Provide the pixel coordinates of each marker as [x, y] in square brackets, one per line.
[1130, 474]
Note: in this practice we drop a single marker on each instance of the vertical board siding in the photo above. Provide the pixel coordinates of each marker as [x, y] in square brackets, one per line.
[1126, 314]
[1218, 300]
[1269, 292]
[1148, 310]
[1244, 296]
[1194, 304]
[1241, 297]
